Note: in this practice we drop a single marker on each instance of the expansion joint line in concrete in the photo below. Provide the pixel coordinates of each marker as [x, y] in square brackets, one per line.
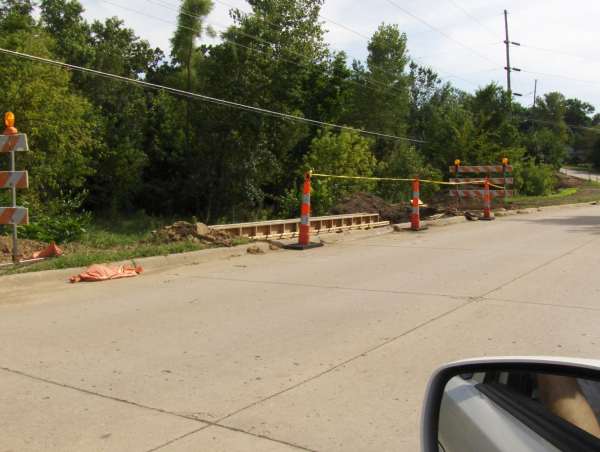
[539, 267]
[207, 423]
[354, 358]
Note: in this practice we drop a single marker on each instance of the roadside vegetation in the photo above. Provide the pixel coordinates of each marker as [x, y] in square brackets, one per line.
[124, 239]
[104, 149]
[570, 190]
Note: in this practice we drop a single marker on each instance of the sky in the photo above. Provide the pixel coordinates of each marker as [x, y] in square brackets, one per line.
[461, 39]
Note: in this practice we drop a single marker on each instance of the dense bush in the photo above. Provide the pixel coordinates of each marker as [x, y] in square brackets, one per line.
[60, 220]
[59, 229]
[405, 162]
[345, 153]
[535, 179]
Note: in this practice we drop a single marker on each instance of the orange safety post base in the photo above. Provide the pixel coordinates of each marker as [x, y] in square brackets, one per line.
[299, 247]
[415, 216]
[304, 242]
[487, 202]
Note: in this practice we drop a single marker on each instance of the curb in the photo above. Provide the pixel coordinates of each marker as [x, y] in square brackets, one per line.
[498, 214]
[402, 227]
[152, 264]
[156, 264]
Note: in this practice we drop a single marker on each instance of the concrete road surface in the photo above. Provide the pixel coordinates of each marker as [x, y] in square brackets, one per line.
[580, 174]
[327, 350]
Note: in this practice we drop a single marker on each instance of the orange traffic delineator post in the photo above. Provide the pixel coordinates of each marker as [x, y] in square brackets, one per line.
[304, 242]
[415, 216]
[487, 201]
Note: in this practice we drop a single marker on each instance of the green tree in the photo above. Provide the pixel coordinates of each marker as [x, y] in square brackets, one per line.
[272, 57]
[16, 15]
[345, 153]
[120, 163]
[548, 136]
[406, 162]
[381, 91]
[190, 27]
[62, 126]
[578, 112]
[185, 51]
[63, 20]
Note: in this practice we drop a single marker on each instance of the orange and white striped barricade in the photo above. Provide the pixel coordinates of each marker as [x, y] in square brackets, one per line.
[11, 142]
[14, 215]
[475, 182]
[304, 242]
[17, 179]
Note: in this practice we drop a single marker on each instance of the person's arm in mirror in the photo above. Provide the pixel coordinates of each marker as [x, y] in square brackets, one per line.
[563, 397]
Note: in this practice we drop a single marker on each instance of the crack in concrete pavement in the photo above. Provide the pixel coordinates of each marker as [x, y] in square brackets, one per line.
[538, 303]
[354, 289]
[234, 429]
[354, 358]
[179, 438]
[539, 267]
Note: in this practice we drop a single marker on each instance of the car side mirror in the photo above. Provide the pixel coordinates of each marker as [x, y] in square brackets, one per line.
[513, 404]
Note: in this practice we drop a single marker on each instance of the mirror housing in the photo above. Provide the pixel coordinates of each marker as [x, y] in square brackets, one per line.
[575, 368]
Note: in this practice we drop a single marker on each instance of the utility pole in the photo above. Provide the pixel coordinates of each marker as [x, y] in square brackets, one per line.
[535, 93]
[508, 67]
[507, 42]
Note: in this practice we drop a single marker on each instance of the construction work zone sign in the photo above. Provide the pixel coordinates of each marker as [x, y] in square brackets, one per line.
[17, 179]
[14, 215]
[14, 143]
[468, 181]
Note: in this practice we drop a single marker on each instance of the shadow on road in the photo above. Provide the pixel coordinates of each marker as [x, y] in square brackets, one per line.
[588, 223]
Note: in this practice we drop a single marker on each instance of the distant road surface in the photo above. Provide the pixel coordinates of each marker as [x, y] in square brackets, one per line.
[328, 349]
[581, 174]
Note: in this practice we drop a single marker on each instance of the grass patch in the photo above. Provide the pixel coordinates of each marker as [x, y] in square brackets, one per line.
[110, 241]
[562, 193]
[588, 192]
[83, 257]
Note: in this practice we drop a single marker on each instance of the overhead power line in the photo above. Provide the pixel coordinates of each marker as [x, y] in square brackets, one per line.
[326, 19]
[203, 97]
[441, 32]
[473, 18]
[442, 74]
[445, 51]
[306, 60]
[168, 5]
[559, 52]
[565, 77]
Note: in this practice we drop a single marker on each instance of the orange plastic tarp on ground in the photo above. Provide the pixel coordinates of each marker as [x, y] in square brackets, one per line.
[105, 272]
[51, 251]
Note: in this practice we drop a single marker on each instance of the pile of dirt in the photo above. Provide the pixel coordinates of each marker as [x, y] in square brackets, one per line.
[370, 203]
[26, 248]
[182, 231]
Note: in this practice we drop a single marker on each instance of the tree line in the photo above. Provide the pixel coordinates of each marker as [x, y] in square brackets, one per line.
[110, 147]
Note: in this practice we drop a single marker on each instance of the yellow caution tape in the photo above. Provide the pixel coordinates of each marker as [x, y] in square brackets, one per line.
[394, 179]
[333, 176]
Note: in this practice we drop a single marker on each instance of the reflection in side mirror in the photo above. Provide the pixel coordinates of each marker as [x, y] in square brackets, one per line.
[499, 405]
